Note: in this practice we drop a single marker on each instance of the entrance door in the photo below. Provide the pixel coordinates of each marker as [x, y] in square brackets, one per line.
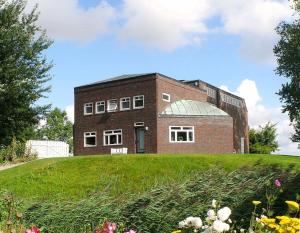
[140, 140]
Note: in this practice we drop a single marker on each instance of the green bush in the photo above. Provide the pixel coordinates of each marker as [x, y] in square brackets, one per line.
[16, 151]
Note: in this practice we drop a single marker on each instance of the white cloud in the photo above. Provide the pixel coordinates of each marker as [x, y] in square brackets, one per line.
[169, 24]
[70, 112]
[67, 20]
[259, 114]
[254, 22]
[166, 24]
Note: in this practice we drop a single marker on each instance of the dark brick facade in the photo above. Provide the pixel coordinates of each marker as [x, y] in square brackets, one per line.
[212, 134]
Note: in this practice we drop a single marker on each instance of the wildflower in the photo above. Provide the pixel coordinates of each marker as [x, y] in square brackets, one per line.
[277, 183]
[211, 215]
[220, 226]
[224, 213]
[256, 202]
[292, 205]
[34, 229]
[214, 203]
[182, 224]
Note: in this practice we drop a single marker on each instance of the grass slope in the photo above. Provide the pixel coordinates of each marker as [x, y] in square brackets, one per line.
[77, 177]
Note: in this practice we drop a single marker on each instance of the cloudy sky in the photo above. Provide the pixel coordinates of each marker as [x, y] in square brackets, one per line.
[227, 43]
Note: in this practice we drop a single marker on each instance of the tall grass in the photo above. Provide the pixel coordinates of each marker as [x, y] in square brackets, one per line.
[160, 209]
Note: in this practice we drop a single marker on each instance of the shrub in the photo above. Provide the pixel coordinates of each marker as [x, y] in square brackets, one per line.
[16, 151]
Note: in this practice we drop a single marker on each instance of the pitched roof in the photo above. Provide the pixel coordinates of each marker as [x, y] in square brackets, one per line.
[192, 108]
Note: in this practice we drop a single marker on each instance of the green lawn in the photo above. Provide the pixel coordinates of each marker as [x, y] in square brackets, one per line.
[77, 177]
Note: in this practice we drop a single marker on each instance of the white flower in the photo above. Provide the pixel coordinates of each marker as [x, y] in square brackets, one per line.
[224, 213]
[211, 215]
[229, 220]
[197, 222]
[226, 227]
[182, 224]
[220, 226]
[242, 230]
[214, 203]
[189, 221]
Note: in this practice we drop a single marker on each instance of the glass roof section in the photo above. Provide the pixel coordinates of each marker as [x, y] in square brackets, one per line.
[192, 108]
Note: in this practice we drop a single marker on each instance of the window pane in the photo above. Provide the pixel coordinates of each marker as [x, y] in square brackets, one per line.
[106, 140]
[125, 105]
[190, 136]
[100, 108]
[175, 127]
[139, 103]
[119, 139]
[90, 141]
[187, 128]
[182, 136]
[113, 139]
[173, 136]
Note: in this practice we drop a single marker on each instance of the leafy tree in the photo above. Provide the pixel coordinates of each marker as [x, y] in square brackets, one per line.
[263, 140]
[24, 70]
[57, 128]
[287, 52]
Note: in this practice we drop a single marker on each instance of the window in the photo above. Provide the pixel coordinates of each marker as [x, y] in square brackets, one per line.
[88, 109]
[166, 97]
[100, 107]
[112, 137]
[181, 134]
[112, 105]
[211, 92]
[138, 101]
[90, 139]
[139, 124]
[125, 103]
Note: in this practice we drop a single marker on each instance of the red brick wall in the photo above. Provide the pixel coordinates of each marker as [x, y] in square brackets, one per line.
[177, 90]
[212, 135]
[116, 120]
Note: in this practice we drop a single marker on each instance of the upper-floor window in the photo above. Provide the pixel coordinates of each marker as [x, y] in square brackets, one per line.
[138, 101]
[112, 105]
[181, 134]
[166, 97]
[90, 139]
[125, 103]
[100, 107]
[88, 109]
[112, 137]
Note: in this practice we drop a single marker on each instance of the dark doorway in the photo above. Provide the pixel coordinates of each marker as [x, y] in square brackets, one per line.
[140, 139]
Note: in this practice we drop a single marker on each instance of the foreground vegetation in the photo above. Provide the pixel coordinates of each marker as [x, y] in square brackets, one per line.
[150, 193]
[118, 176]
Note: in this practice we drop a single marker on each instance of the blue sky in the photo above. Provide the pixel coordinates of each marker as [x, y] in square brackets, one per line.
[226, 43]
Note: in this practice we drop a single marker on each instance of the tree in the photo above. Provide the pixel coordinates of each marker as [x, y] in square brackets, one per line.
[24, 70]
[57, 128]
[287, 52]
[263, 140]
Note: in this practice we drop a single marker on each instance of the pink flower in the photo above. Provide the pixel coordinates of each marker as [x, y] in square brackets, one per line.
[108, 227]
[277, 183]
[34, 229]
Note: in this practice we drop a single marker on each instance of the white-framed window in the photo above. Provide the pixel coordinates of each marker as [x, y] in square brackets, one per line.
[100, 107]
[166, 97]
[138, 101]
[88, 108]
[112, 137]
[125, 103]
[181, 134]
[90, 139]
[139, 124]
[112, 105]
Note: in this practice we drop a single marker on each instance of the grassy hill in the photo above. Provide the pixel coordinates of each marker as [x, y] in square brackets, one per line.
[77, 177]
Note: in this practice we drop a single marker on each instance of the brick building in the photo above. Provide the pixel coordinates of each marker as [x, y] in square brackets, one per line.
[153, 113]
